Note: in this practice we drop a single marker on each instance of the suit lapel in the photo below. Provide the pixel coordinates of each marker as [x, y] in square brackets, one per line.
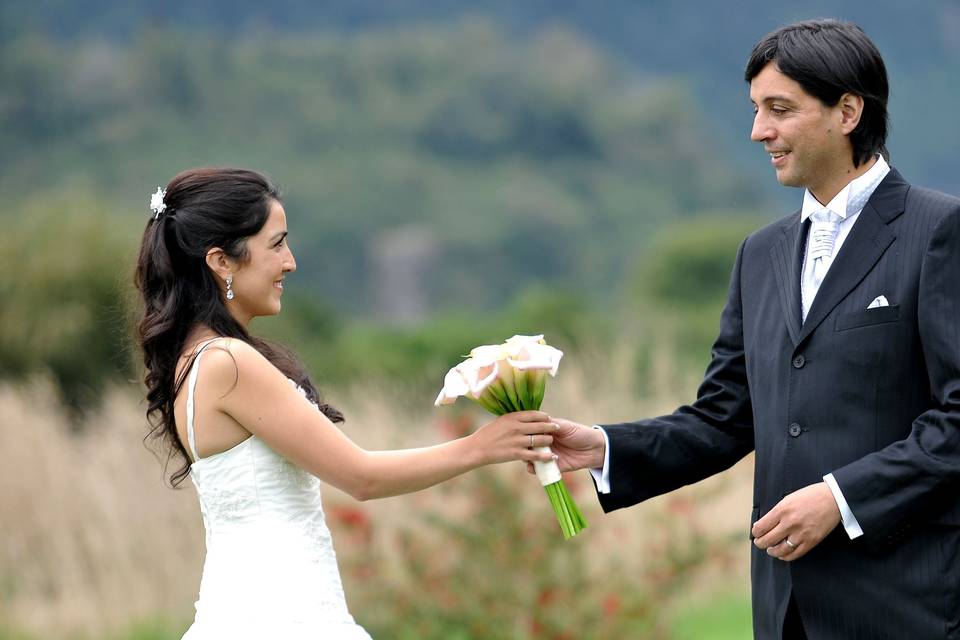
[787, 257]
[867, 241]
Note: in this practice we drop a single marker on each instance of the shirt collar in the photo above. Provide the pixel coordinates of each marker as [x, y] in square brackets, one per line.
[852, 198]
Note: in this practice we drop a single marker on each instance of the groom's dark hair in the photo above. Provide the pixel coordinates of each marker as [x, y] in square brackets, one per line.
[829, 58]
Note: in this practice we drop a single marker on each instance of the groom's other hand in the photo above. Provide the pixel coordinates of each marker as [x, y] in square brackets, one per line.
[577, 446]
[803, 518]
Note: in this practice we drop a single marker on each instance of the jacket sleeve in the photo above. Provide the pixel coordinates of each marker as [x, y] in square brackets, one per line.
[651, 457]
[890, 489]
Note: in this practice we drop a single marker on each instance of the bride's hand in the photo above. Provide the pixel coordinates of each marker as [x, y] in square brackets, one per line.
[511, 436]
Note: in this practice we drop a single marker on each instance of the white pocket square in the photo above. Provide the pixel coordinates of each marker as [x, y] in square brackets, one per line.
[879, 301]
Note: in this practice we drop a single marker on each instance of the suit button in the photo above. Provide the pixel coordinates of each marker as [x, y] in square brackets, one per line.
[794, 429]
[799, 361]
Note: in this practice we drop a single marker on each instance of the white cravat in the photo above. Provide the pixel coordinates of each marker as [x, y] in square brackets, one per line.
[823, 233]
[829, 227]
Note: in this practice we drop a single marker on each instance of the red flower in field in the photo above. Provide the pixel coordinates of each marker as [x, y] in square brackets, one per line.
[535, 628]
[610, 605]
[546, 596]
[351, 517]
[359, 528]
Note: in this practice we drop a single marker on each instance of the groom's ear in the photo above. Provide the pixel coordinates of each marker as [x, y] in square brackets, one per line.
[219, 263]
[851, 110]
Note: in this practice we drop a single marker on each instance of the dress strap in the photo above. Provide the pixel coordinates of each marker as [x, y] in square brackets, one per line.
[191, 384]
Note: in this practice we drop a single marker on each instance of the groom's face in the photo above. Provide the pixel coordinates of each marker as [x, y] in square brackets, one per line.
[801, 134]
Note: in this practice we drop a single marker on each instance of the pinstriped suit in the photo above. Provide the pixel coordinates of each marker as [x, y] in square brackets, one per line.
[871, 395]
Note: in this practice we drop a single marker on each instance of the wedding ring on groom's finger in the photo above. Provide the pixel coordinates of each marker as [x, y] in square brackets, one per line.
[531, 441]
[787, 542]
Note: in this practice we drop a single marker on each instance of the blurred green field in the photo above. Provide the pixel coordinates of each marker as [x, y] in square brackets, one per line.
[725, 618]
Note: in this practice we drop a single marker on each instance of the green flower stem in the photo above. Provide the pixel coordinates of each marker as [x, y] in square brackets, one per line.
[523, 391]
[489, 403]
[539, 386]
[499, 393]
[570, 519]
[506, 375]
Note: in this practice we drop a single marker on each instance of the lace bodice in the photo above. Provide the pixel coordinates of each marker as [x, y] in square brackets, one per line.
[270, 569]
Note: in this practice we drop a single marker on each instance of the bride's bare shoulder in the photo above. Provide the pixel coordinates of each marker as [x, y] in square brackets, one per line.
[229, 362]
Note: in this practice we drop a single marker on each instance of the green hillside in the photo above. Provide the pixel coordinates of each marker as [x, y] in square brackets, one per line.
[456, 165]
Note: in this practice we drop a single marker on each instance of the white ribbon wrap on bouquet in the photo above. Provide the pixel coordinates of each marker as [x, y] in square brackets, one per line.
[547, 472]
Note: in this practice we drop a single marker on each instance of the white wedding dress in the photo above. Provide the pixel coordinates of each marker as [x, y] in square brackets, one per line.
[270, 570]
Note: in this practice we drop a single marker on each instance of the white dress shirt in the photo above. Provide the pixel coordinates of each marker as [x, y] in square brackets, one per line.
[847, 205]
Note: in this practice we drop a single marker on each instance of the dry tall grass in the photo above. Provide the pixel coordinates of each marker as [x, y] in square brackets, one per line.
[93, 539]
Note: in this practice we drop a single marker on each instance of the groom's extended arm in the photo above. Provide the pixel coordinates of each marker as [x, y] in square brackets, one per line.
[654, 456]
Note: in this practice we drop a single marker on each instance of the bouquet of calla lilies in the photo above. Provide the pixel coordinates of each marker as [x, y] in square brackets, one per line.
[509, 377]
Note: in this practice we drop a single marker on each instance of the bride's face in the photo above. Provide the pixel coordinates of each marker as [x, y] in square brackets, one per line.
[258, 282]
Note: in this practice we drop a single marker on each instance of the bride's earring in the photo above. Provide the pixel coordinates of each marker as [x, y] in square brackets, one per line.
[229, 287]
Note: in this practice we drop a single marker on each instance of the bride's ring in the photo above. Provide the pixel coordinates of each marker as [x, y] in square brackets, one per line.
[531, 441]
[787, 542]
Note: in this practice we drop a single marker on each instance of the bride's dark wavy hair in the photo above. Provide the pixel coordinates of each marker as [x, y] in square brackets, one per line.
[205, 208]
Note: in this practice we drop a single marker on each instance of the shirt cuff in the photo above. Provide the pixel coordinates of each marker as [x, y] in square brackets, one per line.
[601, 476]
[850, 524]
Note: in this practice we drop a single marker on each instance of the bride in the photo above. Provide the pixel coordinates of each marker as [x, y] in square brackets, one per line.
[248, 424]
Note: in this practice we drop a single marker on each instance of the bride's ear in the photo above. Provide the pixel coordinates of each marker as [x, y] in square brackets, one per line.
[219, 263]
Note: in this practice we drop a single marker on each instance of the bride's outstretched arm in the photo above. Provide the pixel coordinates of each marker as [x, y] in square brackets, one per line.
[256, 395]
[505, 438]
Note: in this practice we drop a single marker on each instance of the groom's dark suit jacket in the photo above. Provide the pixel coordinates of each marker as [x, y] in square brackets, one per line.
[870, 395]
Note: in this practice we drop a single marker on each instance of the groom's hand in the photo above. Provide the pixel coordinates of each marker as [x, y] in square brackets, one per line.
[798, 523]
[577, 446]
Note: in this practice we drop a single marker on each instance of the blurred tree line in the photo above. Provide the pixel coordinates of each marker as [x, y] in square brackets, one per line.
[478, 164]
[64, 293]
[701, 41]
[445, 187]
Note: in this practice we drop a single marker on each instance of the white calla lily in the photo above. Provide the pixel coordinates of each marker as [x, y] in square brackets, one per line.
[488, 353]
[517, 342]
[479, 374]
[535, 356]
[454, 386]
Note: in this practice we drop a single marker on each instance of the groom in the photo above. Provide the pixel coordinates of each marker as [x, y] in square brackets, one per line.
[837, 362]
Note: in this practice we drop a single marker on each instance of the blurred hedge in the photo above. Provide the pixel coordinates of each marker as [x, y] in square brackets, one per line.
[65, 288]
[68, 302]
[682, 282]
